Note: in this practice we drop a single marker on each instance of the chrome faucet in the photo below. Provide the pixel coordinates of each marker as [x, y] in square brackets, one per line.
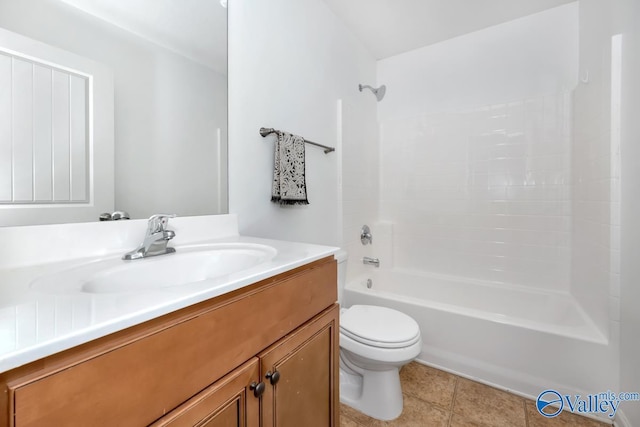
[371, 261]
[156, 239]
[365, 235]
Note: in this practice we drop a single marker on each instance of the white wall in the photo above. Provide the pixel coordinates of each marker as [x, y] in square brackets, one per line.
[290, 61]
[166, 109]
[628, 19]
[475, 152]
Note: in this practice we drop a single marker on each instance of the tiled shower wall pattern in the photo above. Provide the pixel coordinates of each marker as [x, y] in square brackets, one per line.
[483, 193]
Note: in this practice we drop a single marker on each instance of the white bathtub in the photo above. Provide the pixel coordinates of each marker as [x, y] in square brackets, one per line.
[515, 338]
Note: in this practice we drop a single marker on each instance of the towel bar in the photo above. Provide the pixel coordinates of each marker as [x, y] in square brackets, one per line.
[267, 131]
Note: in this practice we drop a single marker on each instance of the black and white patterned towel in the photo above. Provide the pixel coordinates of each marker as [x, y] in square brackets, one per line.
[289, 186]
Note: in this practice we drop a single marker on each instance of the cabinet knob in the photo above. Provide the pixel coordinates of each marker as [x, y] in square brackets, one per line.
[273, 377]
[258, 388]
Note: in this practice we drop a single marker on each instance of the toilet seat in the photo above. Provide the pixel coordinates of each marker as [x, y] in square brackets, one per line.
[379, 327]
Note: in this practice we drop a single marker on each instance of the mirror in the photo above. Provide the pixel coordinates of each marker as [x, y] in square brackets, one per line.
[168, 60]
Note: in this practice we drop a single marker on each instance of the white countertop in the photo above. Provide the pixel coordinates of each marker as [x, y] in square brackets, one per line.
[35, 324]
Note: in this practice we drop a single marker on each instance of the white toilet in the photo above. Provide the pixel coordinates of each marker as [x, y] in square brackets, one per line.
[375, 342]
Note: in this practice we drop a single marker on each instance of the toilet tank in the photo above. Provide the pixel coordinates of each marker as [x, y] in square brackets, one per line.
[341, 257]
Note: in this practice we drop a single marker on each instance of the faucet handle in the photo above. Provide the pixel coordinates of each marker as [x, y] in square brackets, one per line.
[158, 222]
[365, 235]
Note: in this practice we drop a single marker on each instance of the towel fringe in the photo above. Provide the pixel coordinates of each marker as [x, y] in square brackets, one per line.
[282, 202]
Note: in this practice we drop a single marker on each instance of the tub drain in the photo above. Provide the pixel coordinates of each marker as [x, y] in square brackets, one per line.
[369, 283]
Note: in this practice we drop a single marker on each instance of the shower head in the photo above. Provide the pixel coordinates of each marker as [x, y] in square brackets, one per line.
[379, 92]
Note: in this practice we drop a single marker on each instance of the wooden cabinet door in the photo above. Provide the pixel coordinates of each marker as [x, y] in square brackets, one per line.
[304, 367]
[229, 402]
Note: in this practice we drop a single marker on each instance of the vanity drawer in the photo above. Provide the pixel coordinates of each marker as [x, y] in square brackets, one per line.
[137, 382]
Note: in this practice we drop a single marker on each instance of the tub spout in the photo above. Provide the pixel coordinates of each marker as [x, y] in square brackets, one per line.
[371, 261]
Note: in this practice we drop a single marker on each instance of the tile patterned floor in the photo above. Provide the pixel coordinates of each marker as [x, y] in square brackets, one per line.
[439, 399]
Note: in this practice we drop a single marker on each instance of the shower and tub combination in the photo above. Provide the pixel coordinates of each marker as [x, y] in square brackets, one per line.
[496, 205]
[511, 337]
[516, 339]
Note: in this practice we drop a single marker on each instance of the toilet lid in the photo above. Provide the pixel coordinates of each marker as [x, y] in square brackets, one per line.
[379, 326]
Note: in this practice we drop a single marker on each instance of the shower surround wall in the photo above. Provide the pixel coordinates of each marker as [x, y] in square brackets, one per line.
[484, 192]
[476, 152]
[360, 179]
[500, 163]
[596, 171]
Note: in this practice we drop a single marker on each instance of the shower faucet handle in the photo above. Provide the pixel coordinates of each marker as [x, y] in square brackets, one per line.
[365, 235]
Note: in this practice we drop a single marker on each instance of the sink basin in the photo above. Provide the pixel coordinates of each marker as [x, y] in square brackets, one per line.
[187, 266]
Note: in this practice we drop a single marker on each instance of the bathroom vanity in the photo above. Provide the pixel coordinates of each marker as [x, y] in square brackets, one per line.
[262, 354]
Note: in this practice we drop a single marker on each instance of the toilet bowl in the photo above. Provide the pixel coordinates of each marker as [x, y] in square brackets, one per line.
[375, 342]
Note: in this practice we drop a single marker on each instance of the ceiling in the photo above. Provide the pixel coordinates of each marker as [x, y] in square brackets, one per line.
[390, 27]
[196, 29]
